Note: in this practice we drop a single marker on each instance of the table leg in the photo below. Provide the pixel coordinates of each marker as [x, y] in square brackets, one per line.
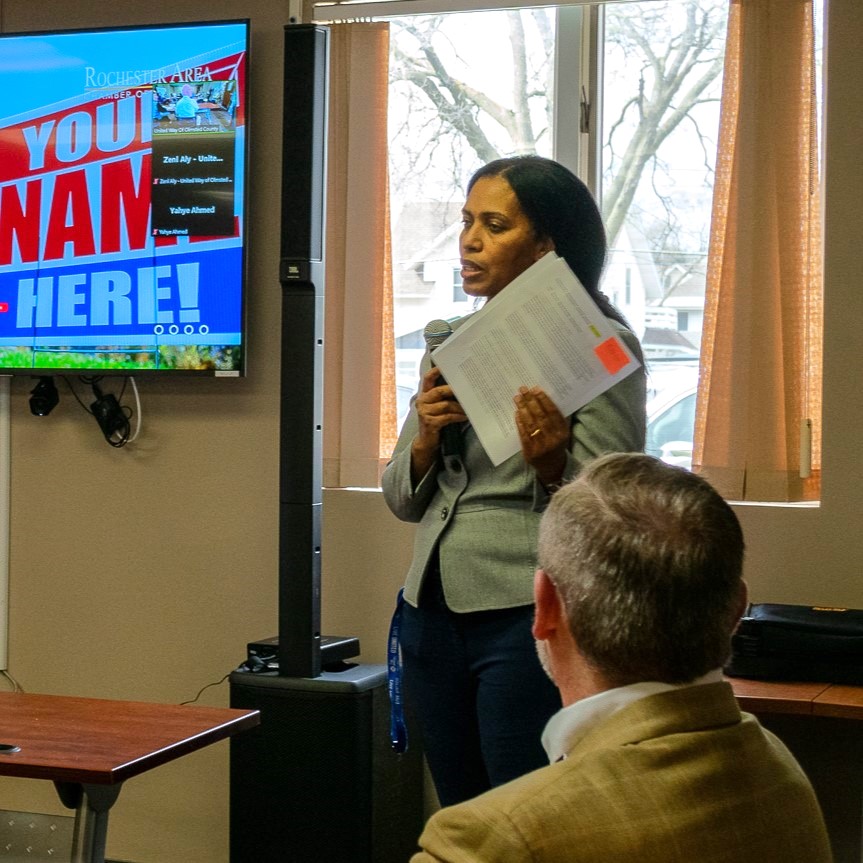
[830, 751]
[91, 804]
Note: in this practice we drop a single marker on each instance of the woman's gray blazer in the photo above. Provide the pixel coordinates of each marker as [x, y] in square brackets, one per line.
[485, 519]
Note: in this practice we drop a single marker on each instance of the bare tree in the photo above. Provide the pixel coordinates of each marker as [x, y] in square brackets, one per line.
[491, 128]
[673, 83]
[679, 56]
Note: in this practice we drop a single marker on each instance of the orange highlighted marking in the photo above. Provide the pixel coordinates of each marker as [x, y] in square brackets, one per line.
[612, 355]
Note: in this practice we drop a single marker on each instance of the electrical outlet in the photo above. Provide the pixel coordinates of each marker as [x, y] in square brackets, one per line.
[32, 836]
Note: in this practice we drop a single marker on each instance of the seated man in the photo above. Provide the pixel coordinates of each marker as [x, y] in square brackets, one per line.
[638, 592]
[186, 107]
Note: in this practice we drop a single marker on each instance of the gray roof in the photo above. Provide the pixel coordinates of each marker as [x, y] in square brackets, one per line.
[422, 232]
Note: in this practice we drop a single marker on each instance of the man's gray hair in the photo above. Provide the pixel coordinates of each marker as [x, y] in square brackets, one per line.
[648, 560]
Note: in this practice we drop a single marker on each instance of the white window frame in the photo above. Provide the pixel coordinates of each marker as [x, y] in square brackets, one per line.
[579, 27]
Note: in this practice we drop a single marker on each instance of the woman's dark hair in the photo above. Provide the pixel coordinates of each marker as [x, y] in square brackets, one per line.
[561, 208]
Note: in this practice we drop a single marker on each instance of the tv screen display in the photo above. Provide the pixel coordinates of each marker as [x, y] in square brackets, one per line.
[122, 190]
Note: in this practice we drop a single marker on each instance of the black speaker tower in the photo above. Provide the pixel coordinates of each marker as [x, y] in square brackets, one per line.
[317, 780]
[301, 273]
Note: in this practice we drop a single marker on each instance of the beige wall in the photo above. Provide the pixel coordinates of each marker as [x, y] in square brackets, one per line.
[141, 573]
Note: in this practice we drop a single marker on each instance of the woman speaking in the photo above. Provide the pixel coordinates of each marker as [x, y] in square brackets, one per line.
[471, 672]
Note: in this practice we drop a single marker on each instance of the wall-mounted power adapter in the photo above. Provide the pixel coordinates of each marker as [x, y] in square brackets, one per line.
[109, 414]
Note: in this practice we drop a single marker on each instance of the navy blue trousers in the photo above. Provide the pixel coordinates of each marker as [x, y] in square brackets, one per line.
[478, 692]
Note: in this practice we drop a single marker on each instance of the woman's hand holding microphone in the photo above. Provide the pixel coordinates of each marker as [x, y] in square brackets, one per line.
[436, 407]
[543, 430]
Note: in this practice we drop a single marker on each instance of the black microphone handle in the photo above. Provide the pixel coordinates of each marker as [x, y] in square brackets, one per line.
[450, 436]
[435, 334]
[450, 439]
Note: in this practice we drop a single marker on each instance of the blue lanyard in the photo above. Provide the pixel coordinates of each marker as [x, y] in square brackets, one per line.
[398, 729]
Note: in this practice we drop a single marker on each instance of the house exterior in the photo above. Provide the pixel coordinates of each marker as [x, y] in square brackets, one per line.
[427, 285]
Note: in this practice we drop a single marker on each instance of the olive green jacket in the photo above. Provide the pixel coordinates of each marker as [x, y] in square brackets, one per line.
[677, 777]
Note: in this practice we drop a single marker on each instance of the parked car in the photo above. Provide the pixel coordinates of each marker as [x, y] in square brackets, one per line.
[665, 374]
[670, 412]
[671, 424]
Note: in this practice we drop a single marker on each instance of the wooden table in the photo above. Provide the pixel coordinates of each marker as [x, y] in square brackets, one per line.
[814, 699]
[819, 722]
[88, 747]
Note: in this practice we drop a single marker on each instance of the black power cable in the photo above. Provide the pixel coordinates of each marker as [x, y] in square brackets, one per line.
[112, 417]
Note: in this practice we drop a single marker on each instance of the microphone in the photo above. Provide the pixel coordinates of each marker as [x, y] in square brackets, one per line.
[436, 332]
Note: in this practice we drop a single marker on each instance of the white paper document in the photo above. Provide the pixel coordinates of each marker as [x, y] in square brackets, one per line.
[542, 330]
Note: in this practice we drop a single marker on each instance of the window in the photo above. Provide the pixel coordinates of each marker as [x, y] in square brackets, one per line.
[458, 294]
[465, 88]
[587, 85]
[472, 86]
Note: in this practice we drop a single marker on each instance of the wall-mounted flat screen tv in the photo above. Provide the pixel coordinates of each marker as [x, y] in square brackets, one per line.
[123, 165]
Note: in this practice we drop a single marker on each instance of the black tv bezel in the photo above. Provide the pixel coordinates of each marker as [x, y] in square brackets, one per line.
[96, 372]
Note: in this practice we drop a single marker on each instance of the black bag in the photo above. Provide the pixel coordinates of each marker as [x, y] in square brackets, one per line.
[798, 642]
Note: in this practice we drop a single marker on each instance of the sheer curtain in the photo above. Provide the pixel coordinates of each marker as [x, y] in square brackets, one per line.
[359, 388]
[761, 344]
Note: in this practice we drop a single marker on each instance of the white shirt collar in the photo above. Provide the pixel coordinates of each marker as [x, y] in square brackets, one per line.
[570, 724]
